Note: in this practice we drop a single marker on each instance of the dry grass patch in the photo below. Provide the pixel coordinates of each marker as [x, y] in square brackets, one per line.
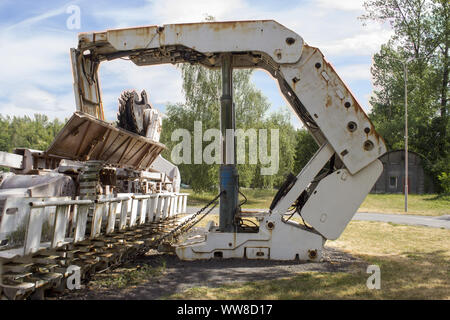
[128, 276]
[414, 264]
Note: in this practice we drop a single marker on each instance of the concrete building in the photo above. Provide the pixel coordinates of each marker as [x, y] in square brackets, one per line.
[392, 180]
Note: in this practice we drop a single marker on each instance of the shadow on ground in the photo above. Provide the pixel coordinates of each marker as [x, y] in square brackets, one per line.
[177, 276]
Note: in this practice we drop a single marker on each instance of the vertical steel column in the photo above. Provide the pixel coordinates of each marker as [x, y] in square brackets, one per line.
[228, 173]
[405, 69]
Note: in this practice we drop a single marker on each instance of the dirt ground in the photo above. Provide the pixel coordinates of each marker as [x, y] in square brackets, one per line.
[177, 275]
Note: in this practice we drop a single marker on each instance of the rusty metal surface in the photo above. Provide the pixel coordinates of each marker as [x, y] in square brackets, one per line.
[86, 138]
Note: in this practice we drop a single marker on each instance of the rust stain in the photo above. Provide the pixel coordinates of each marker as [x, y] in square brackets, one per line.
[218, 25]
[356, 105]
[329, 101]
[131, 28]
[162, 35]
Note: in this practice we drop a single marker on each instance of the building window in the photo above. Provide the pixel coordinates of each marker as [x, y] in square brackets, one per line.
[392, 182]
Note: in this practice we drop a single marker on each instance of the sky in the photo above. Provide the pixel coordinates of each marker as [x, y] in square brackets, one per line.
[35, 39]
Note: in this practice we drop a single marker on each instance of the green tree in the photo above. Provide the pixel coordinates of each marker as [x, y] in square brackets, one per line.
[305, 148]
[421, 39]
[37, 133]
[202, 90]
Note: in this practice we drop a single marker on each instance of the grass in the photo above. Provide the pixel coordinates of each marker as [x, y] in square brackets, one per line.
[256, 198]
[129, 275]
[414, 264]
[421, 204]
[430, 204]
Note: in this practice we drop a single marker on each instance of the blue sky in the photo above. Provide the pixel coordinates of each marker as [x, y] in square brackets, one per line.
[35, 70]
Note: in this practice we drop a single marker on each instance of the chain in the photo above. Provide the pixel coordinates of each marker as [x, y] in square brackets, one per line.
[191, 219]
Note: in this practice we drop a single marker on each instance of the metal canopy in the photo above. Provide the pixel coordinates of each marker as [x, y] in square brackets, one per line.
[85, 137]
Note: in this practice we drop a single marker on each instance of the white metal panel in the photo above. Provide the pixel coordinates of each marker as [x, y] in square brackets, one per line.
[257, 253]
[111, 217]
[80, 229]
[337, 197]
[284, 241]
[159, 207]
[143, 203]
[164, 166]
[34, 230]
[73, 59]
[184, 205]
[304, 178]
[99, 210]
[166, 206]
[172, 205]
[60, 224]
[153, 202]
[10, 160]
[326, 98]
[123, 214]
[264, 35]
[134, 211]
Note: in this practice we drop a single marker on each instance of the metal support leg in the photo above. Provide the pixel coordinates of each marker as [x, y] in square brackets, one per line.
[228, 173]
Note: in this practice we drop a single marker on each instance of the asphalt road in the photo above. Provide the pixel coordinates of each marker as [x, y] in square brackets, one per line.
[414, 220]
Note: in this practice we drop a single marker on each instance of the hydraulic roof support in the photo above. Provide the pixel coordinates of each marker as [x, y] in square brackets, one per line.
[327, 200]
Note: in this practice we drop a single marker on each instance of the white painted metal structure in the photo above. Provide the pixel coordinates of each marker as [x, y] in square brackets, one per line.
[315, 93]
[123, 212]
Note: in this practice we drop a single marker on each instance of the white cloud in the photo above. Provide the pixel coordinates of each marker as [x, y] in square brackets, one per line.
[353, 72]
[172, 11]
[30, 100]
[36, 74]
[35, 58]
[366, 43]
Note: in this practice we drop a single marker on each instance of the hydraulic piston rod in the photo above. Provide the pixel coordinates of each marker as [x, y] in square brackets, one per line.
[228, 173]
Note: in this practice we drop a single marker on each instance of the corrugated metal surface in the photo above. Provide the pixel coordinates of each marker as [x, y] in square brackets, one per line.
[86, 138]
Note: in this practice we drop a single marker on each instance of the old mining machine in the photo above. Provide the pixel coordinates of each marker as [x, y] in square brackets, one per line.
[102, 193]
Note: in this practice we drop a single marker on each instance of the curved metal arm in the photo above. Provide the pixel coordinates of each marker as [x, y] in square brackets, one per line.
[307, 81]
